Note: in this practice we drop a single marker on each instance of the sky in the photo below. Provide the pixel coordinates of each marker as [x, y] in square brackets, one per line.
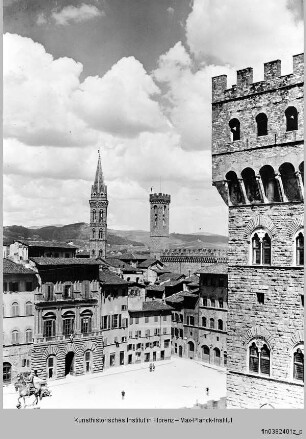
[131, 78]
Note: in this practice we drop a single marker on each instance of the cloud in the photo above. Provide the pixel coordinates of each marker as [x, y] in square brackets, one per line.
[170, 10]
[76, 14]
[244, 33]
[121, 101]
[188, 99]
[37, 96]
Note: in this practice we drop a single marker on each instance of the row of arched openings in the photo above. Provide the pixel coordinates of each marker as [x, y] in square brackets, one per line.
[275, 185]
[100, 234]
[220, 324]
[155, 209]
[94, 216]
[15, 309]
[68, 323]
[260, 360]
[291, 115]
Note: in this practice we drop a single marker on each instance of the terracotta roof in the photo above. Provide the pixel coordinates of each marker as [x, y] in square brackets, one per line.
[155, 288]
[109, 278]
[192, 280]
[155, 305]
[65, 261]
[179, 297]
[10, 267]
[214, 269]
[148, 262]
[132, 256]
[170, 276]
[48, 244]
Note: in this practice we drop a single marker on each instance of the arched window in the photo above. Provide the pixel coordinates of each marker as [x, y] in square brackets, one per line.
[225, 358]
[217, 356]
[270, 183]
[298, 365]
[7, 373]
[253, 358]
[93, 233]
[261, 248]
[290, 182]
[100, 233]
[100, 253]
[49, 320]
[51, 366]
[93, 253]
[235, 193]
[94, 216]
[86, 318]
[68, 323]
[28, 309]
[211, 323]
[299, 248]
[101, 216]
[259, 358]
[251, 185]
[15, 309]
[262, 124]
[29, 336]
[220, 325]
[301, 169]
[15, 337]
[204, 321]
[291, 119]
[164, 216]
[234, 125]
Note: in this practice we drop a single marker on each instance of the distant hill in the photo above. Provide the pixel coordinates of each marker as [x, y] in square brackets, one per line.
[79, 234]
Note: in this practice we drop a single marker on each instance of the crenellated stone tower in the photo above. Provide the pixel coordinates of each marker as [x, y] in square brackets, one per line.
[98, 215]
[258, 169]
[159, 223]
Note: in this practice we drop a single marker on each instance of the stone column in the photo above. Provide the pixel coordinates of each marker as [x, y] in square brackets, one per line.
[262, 189]
[300, 184]
[280, 184]
[228, 194]
[77, 328]
[242, 187]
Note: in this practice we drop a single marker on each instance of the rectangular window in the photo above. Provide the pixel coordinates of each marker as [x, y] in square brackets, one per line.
[204, 301]
[136, 320]
[86, 289]
[123, 339]
[156, 331]
[146, 319]
[166, 343]
[86, 325]
[14, 286]
[115, 321]
[147, 333]
[212, 303]
[164, 331]
[123, 308]
[29, 286]
[155, 319]
[164, 318]
[4, 286]
[220, 303]
[302, 299]
[112, 358]
[260, 298]
[131, 320]
[68, 326]
[49, 328]
[130, 334]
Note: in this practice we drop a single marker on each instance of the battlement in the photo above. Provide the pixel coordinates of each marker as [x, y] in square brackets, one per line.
[216, 253]
[160, 198]
[245, 85]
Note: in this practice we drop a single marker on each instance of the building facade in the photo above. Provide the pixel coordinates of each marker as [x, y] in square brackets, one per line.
[67, 334]
[98, 215]
[159, 223]
[19, 287]
[257, 159]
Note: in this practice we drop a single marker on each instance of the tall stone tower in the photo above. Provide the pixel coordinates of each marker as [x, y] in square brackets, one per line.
[98, 215]
[159, 223]
[257, 160]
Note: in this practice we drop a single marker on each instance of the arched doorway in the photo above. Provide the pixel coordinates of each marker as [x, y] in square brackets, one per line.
[7, 373]
[180, 351]
[206, 354]
[190, 349]
[69, 363]
[217, 356]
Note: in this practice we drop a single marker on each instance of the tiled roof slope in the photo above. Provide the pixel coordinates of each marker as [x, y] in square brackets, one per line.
[10, 267]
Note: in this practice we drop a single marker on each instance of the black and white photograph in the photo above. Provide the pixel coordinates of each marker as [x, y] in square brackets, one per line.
[153, 205]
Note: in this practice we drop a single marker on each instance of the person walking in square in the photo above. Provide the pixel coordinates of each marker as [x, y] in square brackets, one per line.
[123, 394]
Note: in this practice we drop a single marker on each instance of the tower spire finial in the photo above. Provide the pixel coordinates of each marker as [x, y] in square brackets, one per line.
[98, 185]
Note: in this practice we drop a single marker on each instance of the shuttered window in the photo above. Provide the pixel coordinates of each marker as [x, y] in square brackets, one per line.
[254, 358]
[265, 360]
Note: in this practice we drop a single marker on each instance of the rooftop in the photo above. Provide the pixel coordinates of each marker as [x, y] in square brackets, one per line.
[65, 261]
[214, 269]
[54, 244]
[108, 278]
[132, 257]
[170, 276]
[179, 297]
[148, 262]
[10, 267]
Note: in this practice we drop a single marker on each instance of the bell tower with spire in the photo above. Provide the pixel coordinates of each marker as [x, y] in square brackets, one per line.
[98, 215]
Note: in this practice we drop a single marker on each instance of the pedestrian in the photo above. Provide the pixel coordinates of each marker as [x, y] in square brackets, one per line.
[150, 367]
[123, 394]
[153, 367]
[207, 391]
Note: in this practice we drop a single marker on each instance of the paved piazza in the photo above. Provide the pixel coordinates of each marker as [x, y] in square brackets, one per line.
[176, 383]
